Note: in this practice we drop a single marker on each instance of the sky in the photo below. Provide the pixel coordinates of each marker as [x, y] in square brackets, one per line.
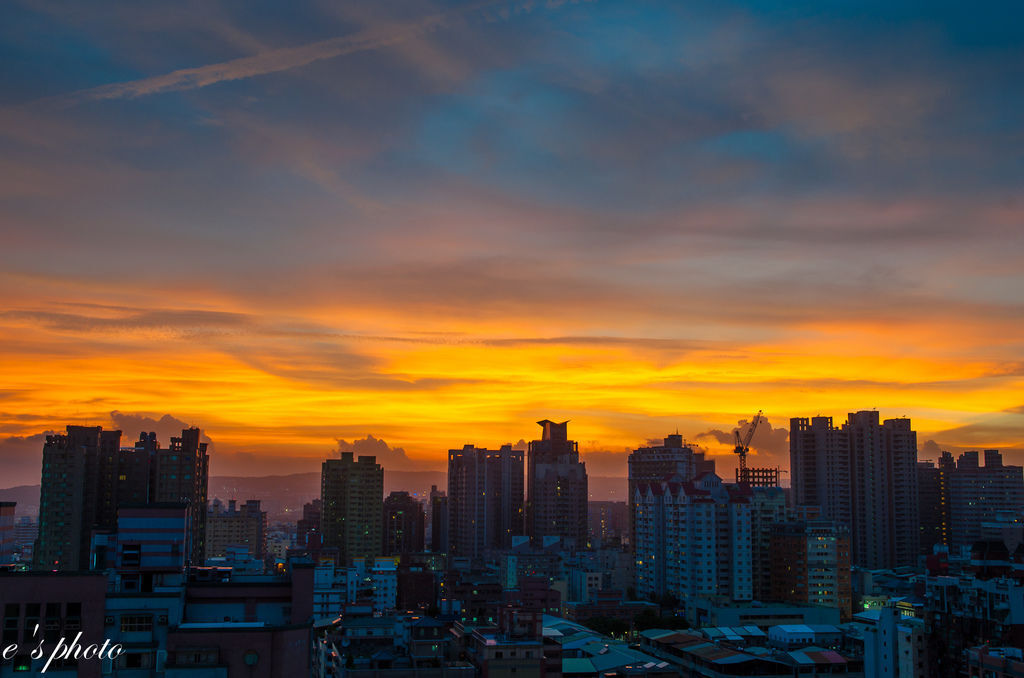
[409, 226]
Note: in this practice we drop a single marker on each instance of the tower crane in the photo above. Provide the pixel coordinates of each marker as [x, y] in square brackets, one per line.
[743, 444]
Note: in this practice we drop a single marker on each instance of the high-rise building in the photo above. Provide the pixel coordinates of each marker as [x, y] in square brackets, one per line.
[819, 455]
[485, 499]
[693, 539]
[73, 497]
[767, 509]
[86, 476]
[556, 485]
[403, 525]
[26, 530]
[958, 498]
[607, 522]
[811, 565]
[7, 541]
[307, 528]
[653, 464]
[244, 525]
[863, 476]
[135, 476]
[181, 473]
[352, 493]
[439, 521]
[900, 447]
[933, 502]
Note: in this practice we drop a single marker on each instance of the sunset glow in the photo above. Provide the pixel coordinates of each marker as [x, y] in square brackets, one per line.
[459, 224]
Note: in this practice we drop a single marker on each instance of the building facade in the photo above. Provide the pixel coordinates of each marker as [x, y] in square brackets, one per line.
[7, 540]
[403, 525]
[767, 509]
[819, 455]
[485, 499]
[693, 540]
[933, 502]
[811, 565]
[72, 483]
[181, 473]
[351, 493]
[863, 475]
[244, 525]
[977, 493]
[557, 488]
[439, 524]
[673, 458]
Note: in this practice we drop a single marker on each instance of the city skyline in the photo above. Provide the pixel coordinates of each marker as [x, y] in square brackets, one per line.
[770, 448]
[415, 220]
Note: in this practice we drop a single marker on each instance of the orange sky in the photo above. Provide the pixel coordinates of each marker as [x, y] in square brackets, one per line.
[281, 390]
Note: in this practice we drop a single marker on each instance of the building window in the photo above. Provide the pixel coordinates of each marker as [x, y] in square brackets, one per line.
[131, 623]
[135, 660]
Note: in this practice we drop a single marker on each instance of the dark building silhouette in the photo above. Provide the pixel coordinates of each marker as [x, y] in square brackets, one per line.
[556, 484]
[352, 494]
[403, 525]
[819, 455]
[977, 493]
[865, 476]
[607, 522]
[87, 475]
[8, 544]
[65, 516]
[439, 521]
[135, 481]
[307, 529]
[957, 498]
[485, 499]
[811, 565]
[768, 508]
[933, 502]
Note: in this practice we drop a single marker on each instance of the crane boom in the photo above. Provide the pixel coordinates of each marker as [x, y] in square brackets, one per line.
[743, 445]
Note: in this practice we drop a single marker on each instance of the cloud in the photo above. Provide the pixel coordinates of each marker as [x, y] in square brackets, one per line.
[589, 210]
[288, 58]
[393, 458]
[182, 321]
[931, 450]
[769, 443]
[995, 430]
[165, 427]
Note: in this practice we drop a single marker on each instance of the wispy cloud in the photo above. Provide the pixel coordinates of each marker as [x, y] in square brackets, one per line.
[288, 58]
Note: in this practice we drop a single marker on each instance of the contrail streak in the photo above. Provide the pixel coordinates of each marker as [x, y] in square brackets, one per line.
[287, 58]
